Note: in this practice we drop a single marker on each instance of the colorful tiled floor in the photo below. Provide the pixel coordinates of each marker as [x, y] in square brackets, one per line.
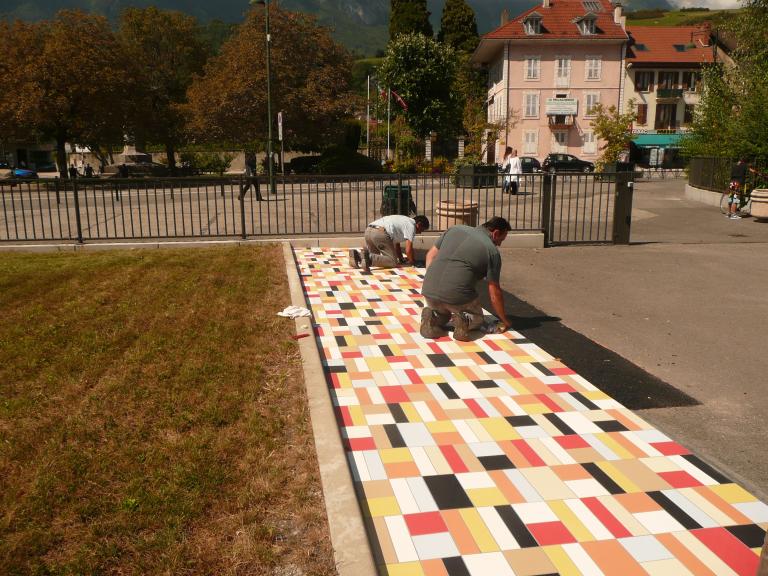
[491, 457]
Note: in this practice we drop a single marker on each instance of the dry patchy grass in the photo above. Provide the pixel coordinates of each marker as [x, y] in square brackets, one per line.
[153, 417]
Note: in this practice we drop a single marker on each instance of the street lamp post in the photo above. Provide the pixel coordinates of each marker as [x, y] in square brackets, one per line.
[270, 169]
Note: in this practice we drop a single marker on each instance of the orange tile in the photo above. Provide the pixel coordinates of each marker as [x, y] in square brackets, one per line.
[377, 489]
[571, 472]
[684, 555]
[469, 459]
[459, 531]
[529, 562]
[506, 487]
[628, 446]
[447, 438]
[385, 547]
[380, 437]
[583, 455]
[435, 408]
[402, 469]
[722, 505]
[612, 558]
[434, 568]
[517, 457]
[637, 502]
[621, 417]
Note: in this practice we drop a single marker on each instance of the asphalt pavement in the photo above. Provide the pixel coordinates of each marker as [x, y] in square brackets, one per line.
[673, 325]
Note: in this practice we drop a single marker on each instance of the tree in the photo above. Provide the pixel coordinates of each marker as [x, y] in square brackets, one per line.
[310, 83]
[614, 129]
[423, 71]
[166, 50]
[409, 16]
[73, 87]
[458, 27]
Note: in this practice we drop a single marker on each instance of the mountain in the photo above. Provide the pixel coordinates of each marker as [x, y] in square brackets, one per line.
[361, 25]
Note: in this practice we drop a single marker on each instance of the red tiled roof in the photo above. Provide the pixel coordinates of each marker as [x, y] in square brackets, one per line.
[660, 44]
[558, 22]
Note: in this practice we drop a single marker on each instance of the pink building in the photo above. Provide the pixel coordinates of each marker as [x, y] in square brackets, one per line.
[547, 68]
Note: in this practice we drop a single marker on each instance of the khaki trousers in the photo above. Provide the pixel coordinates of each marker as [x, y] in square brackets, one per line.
[471, 309]
[381, 248]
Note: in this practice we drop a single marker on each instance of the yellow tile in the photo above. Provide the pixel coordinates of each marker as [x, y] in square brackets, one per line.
[487, 497]
[620, 478]
[480, 432]
[404, 569]
[564, 565]
[383, 506]
[571, 522]
[344, 380]
[617, 448]
[535, 408]
[357, 415]
[410, 412]
[377, 364]
[389, 455]
[499, 429]
[438, 460]
[479, 531]
[732, 493]
[440, 426]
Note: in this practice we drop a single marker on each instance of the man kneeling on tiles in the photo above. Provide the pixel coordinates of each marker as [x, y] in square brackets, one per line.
[460, 258]
[382, 242]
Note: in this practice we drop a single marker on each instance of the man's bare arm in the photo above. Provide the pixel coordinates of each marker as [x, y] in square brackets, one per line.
[431, 255]
[409, 253]
[497, 302]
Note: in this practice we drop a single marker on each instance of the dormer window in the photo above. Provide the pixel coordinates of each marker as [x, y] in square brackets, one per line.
[587, 24]
[532, 24]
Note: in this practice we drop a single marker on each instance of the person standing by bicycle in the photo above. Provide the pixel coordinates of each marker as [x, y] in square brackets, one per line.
[737, 187]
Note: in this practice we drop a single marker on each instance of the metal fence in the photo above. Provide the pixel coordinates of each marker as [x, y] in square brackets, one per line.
[568, 207]
[710, 173]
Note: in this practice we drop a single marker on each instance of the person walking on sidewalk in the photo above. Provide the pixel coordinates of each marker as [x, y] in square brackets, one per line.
[737, 187]
[460, 258]
[512, 169]
[382, 242]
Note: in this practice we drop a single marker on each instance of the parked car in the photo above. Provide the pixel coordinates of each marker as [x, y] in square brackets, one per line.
[5, 169]
[566, 163]
[530, 164]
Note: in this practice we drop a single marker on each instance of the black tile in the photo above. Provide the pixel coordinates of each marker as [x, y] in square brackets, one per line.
[521, 341]
[341, 341]
[485, 384]
[455, 566]
[605, 481]
[498, 462]
[585, 401]
[398, 413]
[559, 424]
[674, 510]
[336, 369]
[707, 469]
[385, 350]
[449, 392]
[486, 357]
[347, 305]
[611, 426]
[516, 526]
[518, 421]
[363, 330]
[342, 321]
[751, 535]
[373, 322]
[447, 492]
[440, 360]
[543, 369]
[395, 439]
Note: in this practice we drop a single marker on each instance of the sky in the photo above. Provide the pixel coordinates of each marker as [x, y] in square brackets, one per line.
[712, 4]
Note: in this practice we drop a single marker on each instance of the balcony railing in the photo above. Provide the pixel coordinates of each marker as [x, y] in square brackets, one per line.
[670, 93]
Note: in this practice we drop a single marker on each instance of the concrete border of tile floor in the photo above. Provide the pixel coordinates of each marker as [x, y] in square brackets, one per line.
[349, 537]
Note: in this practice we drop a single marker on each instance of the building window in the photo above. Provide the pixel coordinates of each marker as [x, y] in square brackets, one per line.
[667, 80]
[495, 74]
[688, 114]
[559, 141]
[590, 143]
[562, 70]
[530, 142]
[642, 114]
[594, 66]
[532, 67]
[666, 117]
[587, 26]
[643, 80]
[531, 105]
[532, 26]
[591, 99]
[691, 81]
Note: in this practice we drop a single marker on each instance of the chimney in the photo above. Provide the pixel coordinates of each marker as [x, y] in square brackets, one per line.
[702, 36]
[545, 4]
[504, 16]
[617, 13]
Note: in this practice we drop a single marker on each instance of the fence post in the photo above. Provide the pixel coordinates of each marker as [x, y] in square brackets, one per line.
[622, 208]
[547, 204]
[399, 192]
[242, 211]
[77, 212]
[58, 192]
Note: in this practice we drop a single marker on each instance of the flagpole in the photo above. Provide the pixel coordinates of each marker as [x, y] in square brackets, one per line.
[368, 120]
[389, 99]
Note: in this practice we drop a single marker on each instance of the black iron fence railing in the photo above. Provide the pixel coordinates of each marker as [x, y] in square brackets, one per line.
[568, 207]
[710, 173]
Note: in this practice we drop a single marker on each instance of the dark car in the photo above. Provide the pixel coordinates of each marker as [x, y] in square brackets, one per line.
[23, 174]
[566, 163]
[530, 164]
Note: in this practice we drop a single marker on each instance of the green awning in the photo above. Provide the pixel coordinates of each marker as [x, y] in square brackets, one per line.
[657, 140]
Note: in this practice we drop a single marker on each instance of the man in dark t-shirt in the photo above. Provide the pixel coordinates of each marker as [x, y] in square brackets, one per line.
[460, 258]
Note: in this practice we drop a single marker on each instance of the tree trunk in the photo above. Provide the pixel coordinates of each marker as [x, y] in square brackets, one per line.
[170, 154]
[61, 154]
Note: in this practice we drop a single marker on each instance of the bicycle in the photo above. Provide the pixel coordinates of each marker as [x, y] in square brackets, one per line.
[744, 199]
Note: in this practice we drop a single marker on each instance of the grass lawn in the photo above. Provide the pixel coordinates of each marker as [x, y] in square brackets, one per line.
[153, 417]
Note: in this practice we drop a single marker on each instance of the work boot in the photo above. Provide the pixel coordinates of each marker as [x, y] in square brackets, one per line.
[354, 259]
[430, 324]
[365, 261]
[461, 327]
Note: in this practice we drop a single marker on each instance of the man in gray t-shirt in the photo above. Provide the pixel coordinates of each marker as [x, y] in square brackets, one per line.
[460, 258]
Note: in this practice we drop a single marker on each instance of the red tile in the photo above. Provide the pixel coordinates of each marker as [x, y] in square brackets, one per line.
[475, 407]
[550, 533]
[670, 448]
[393, 394]
[453, 459]
[560, 388]
[425, 523]
[679, 479]
[344, 415]
[729, 549]
[528, 452]
[356, 444]
[609, 520]
[564, 371]
[413, 376]
[571, 442]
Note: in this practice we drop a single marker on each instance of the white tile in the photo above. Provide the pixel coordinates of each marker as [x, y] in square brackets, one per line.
[356, 432]
[379, 419]
[497, 528]
[405, 499]
[485, 449]
[579, 423]
[604, 451]
[375, 467]
[582, 560]
[645, 548]
[756, 511]
[557, 451]
[487, 407]
[690, 508]
[534, 512]
[651, 436]
[465, 431]
[424, 412]
[523, 486]
[422, 461]
[430, 546]
[376, 397]
[401, 539]
[422, 495]
[358, 467]
[586, 488]
[469, 480]
[513, 406]
[700, 475]
[416, 434]
[530, 432]
[658, 522]
[466, 390]
[590, 521]
[490, 564]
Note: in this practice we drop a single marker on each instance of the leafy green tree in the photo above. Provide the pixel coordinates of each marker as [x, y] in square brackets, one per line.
[409, 16]
[713, 130]
[458, 27]
[74, 86]
[166, 50]
[614, 129]
[423, 72]
[311, 77]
